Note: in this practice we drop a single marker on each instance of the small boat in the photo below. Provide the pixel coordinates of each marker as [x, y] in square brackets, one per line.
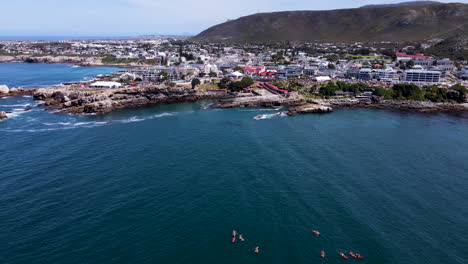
[359, 256]
[233, 240]
[322, 254]
[234, 233]
[352, 254]
[316, 232]
[343, 255]
[241, 238]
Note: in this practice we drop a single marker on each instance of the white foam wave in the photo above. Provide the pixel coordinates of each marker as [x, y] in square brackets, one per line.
[262, 109]
[27, 96]
[270, 116]
[89, 124]
[15, 114]
[15, 105]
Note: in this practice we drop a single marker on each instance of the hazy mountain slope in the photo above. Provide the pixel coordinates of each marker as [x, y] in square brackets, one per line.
[360, 24]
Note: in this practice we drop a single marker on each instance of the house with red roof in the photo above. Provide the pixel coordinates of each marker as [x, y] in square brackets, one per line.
[254, 70]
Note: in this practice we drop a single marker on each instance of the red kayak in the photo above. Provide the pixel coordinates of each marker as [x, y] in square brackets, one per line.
[233, 239]
[316, 232]
[322, 254]
[343, 255]
[359, 256]
[353, 255]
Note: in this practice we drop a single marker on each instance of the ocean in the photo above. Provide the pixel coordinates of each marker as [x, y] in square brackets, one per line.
[169, 183]
[40, 75]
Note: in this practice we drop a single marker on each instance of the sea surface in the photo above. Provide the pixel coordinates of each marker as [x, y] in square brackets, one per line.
[40, 75]
[169, 183]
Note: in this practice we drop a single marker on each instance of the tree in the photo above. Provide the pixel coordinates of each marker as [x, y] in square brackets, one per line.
[331, 66]
[195, 82]
[386, 93]
[462, 92]
[238, 68]
[224, 82]
[246, 82]
[213, 74]
[410, 64]
[407, 91]
[329, 89]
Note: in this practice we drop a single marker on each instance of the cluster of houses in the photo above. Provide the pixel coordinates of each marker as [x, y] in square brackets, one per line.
[180, 60]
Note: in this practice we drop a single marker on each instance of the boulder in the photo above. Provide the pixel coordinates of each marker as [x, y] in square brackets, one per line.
[4, 89]
[310, 108]
[3, 115]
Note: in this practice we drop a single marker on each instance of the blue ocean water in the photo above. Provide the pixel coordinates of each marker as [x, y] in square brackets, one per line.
[58, 38]
[39, 75]
[168, 184]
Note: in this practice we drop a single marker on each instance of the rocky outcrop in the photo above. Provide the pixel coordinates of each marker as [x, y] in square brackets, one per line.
[17, 92]
[260, 101]
[309, 108]
[403, 105]
[3, 115]
[4, 89]
[78, 100]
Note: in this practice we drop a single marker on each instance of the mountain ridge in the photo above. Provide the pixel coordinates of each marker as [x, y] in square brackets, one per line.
[409, 3]
[396, 23]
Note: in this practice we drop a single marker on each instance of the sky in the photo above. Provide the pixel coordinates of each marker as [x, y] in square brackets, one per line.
[143, 17]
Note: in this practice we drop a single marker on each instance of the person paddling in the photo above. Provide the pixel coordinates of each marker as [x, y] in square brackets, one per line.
[234, 233]
[241, 238]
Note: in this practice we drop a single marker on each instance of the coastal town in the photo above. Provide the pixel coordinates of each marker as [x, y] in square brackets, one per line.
[254, 74]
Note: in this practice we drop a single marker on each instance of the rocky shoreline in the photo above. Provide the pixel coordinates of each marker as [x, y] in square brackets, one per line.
[100, 101]
[77, 100]
[401, 105]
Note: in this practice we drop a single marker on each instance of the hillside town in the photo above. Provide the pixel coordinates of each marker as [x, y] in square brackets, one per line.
[216, 67]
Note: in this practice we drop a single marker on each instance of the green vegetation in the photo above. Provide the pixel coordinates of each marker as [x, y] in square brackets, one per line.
[206, 86]
[407, 92]
[109, 59]
[195, 82]
[329, 89]
[235, 86]
[456, 93]
[453, 48]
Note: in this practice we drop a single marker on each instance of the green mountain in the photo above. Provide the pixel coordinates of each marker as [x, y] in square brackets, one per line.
[395, 23]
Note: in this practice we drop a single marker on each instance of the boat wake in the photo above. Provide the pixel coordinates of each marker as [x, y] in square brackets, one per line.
[270, 116]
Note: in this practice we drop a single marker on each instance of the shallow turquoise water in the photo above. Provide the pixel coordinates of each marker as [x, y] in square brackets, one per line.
[167, 184]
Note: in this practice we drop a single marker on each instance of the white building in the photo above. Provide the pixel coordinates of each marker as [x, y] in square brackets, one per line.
[105, 84]
[422, 76]
[322, 79]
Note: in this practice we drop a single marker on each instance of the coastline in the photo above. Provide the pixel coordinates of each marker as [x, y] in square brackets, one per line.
[75, 100]
[92, 61]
